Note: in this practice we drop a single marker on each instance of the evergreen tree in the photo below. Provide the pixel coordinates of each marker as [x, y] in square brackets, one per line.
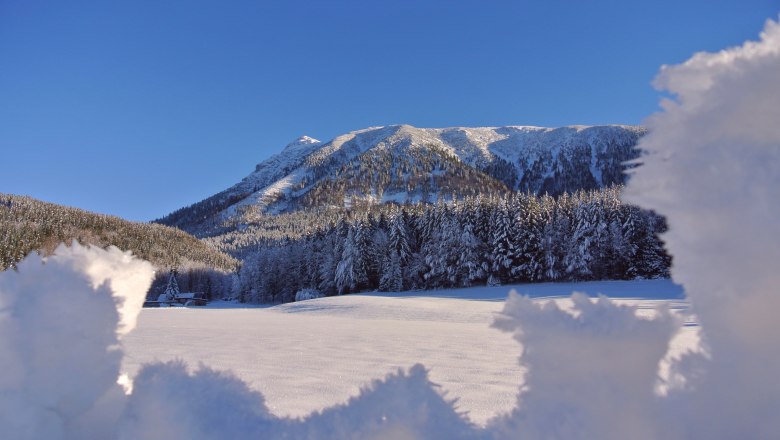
[330, 257]
[399, 239]
[502, 243]
[172, 289]
[470, 257]
[580, 250]
[444, 264]
[378, 251]
[351, 271]
[528, 242]
[629, 244]
[392, 277]
[554, 236]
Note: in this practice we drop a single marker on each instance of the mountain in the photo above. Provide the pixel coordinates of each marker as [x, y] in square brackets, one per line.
[405, 164]
[28, 225]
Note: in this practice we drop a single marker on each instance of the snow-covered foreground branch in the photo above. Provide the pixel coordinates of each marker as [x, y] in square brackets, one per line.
[713, 169]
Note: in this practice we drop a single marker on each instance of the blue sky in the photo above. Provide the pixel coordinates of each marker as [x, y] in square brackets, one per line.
[141, 107]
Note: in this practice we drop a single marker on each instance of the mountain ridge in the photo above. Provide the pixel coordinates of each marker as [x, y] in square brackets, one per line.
[406, 164]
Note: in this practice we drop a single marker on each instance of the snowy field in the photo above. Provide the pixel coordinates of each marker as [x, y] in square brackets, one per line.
[310, 355]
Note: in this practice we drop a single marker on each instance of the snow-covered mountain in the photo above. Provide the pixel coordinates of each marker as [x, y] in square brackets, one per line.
[401, 163]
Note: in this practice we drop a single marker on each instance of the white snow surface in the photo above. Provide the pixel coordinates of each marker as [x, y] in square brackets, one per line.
[310, 355]
[346, 366]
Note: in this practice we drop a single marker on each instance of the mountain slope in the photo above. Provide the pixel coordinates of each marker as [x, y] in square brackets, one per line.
[404, 164]
[28, 225]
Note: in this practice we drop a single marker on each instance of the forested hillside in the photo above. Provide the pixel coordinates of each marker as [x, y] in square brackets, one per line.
[28, 225]
[515, 238]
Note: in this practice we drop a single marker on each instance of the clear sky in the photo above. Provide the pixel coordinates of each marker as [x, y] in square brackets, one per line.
[137, 108]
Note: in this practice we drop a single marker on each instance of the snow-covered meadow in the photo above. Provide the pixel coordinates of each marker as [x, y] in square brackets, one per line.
[310, 355]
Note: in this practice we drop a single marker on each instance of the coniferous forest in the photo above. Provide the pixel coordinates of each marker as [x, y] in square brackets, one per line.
[29, 225]
[514, 238]
[495, 239]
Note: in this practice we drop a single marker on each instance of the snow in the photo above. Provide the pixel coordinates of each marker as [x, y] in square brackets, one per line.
[60, 324]
[591, 370]
[400, 197]
[271, 193]
[307, 356]
[712, 167]
[353, 360]
[303, 143]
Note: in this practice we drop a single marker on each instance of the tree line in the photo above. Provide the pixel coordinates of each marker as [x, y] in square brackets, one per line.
[500, 239]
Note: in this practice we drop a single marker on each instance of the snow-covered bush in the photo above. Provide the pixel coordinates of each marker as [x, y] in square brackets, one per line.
[304, 294]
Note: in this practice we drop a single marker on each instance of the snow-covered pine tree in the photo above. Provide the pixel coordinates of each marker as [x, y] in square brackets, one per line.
[502, 243]
[449, 250]
[470, 259]
[554, 235]
[426, 225]
[399, 239]
[313, 253]
[362, 255]
[336, 238]
[330, 256]
[378, 250]
[482, 217]
[579, 253]
[344, 276]
[528, 241]
[606, 234]
[351, 270]
[172, 288]
[628, 245]
[430, 234]
[392, 277]
[655, 261]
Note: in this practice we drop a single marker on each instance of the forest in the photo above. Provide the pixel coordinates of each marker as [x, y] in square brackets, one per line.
[456, 242]
[29, 225]
[512, 238]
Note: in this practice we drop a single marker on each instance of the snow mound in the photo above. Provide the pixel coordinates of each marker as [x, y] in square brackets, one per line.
[169, 403]
[723, 217]
[591, 370]
[60, 322]
[60, 370]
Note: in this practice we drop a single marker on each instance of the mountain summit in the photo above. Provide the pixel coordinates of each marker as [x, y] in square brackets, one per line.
[303, 142]
[405, 164]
